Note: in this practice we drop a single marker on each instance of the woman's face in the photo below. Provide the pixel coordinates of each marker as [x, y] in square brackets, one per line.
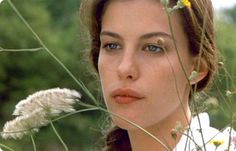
[138, 65]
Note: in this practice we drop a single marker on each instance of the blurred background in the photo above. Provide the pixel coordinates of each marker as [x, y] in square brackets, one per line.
[57, 24]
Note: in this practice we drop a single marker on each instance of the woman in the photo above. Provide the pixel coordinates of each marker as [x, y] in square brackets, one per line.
[144, 77]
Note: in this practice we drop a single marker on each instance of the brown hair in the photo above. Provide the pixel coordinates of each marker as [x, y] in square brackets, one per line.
[198, 23]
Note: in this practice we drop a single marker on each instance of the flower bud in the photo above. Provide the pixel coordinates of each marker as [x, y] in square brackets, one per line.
[220, 64]
[228, 93]
[165, 2]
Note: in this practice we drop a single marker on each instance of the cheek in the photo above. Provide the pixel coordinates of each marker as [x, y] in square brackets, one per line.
[105, 69]
[106, 63]
[167, 77]
[107, 73]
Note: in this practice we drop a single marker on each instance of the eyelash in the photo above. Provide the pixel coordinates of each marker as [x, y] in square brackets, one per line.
[108, 46]
[147, 47]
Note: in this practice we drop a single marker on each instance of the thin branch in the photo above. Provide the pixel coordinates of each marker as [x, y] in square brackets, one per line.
[6, 147]
[20, 50]
[132, 123]
[59, 137]
[33, 141]
[79, 82]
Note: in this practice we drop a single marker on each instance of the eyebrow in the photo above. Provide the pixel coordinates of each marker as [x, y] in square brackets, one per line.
[145, 36]
[156, 34]
[111, 34]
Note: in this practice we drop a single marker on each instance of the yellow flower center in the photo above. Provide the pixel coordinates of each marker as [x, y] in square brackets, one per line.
[217, 142]
[186, 3]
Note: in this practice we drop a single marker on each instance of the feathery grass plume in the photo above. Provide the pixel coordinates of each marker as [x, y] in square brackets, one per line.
[52, 101]
[38, 109]
[22, 125]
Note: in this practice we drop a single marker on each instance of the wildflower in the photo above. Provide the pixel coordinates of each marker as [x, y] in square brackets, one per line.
[0, 148]
[22, 125]
[228, 93]
[161, 42]
[178, 126]
[0, 3]
[182, 4]
[174, 133]
[38, 109]
[211, 102]
[186, 3]
[53, 101]
[193, 75]
[220, 64]
[217, 143]
[214, 140]
[233, 140]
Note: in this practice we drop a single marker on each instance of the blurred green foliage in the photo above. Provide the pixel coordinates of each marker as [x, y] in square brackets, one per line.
[57, 23]
[226, 76]
[23, 73]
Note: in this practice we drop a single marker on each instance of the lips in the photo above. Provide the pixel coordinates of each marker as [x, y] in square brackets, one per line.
[126, 95]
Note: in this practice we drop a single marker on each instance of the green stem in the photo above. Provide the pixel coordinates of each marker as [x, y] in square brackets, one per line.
[198, 67]
[230, 133]
[175, 45]
[72, 113]
[132, 123]
[176, 88]
[33, 142]
[20, 50]
[59, 118]
[178, 55]
[79, 82]
[137, 126]
[59, 137]
[6, 147]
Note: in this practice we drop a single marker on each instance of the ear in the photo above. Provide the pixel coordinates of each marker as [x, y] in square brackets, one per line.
[201, 69]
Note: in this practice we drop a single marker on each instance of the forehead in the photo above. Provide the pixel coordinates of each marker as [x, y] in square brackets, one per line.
[138, 16]
[133, 5]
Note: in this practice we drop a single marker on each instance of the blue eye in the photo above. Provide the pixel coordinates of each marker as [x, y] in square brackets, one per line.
[111, 46]
[153, 48]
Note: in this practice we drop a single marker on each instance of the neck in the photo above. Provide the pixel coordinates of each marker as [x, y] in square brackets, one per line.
[162, 130]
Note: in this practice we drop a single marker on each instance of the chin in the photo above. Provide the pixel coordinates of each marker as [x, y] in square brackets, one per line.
[123, 124]
[127, 125]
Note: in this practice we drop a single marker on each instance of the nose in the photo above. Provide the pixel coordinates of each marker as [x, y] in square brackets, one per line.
[128, 67]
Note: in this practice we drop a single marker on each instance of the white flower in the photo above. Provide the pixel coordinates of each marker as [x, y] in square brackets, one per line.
[53, 101]
[24, 124]
[214, 140]
[0, 3]
[38, 109]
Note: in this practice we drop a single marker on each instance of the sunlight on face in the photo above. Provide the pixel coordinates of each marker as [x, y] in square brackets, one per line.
[138, 66]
